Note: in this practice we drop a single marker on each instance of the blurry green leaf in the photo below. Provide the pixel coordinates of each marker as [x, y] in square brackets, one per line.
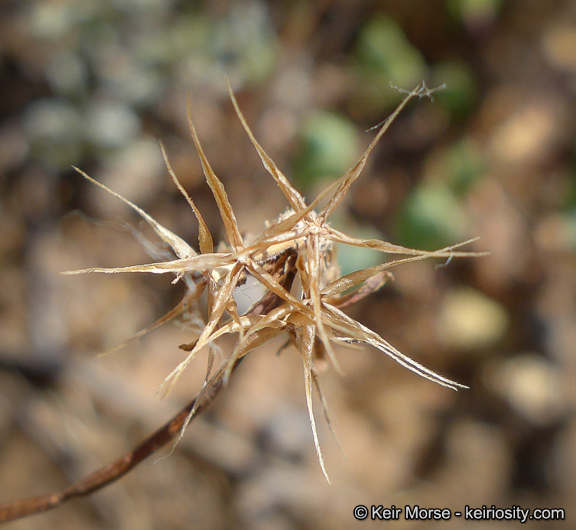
[431, 218]
[465, 164]
[386, 56]
[458, 166]
[330, 147]
[461, 89]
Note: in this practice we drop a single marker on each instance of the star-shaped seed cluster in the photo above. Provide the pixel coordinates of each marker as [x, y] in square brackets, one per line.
[293, 259]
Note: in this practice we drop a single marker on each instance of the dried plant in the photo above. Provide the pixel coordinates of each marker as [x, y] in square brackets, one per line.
[293, 258]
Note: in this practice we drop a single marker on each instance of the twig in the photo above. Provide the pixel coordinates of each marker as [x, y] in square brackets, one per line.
[119, 468]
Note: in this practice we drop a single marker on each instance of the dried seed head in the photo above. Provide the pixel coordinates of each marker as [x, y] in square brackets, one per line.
[294, 260]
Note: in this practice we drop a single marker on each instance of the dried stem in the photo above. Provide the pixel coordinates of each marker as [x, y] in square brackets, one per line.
[112, 472]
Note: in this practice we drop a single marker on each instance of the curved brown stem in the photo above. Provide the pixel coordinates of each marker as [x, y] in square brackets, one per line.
[119, 468]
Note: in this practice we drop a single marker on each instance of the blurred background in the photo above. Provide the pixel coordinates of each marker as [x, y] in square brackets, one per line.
[98, 84]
